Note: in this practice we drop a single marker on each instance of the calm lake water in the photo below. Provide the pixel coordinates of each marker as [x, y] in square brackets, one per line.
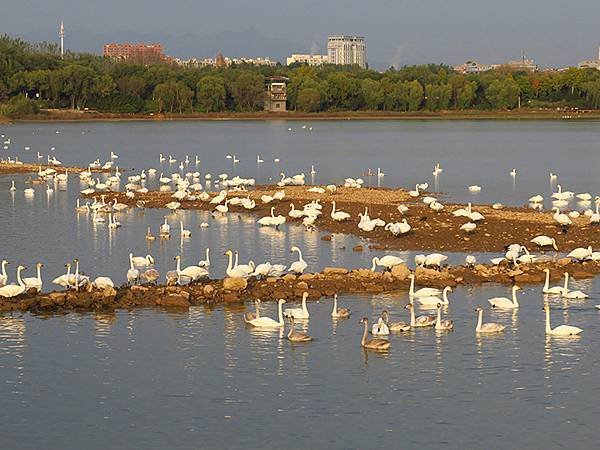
[200, 379]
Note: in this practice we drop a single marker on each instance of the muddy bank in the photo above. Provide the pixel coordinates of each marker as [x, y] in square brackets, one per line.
[431, 231]
[8, 168]
[291, 287]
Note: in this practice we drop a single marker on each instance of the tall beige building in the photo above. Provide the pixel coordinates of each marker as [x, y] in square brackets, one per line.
[347, 50]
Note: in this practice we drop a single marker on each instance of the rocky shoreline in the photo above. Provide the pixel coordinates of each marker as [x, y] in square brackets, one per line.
[330, 281]
[432, 231]
[12, 168]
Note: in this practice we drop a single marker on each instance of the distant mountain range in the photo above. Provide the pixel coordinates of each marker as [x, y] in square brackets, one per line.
[249, 43]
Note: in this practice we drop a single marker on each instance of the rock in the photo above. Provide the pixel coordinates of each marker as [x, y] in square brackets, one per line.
[273, 280]
[529, 278]
[431, 274]
[289, 277]
[357, 248]
[302, 285]
[58, 297]
[230, 297]
[109, 293]
[235, 284]
[208, 290]
[307, 276]
[327, 237]
[335, 271]
[173, 301]
[515, 272]
[400, 272]
[366, 273]
[138, 288]
[387, 276]
[564, 261]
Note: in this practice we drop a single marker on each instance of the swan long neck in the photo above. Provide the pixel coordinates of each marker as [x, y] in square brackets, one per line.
[236, 259]
[304, 308]
[178, 265]
[300, 255]
[514, 296]
[39, 273]
[479, 320]
[207, 255]
[4, 263]
[230, 261]
[374, 266]
[438, 320]
[566, 285]
[445, 295]
[19, 280]
[411, 289]
[334, 312]
[364, 336]
[280, 313]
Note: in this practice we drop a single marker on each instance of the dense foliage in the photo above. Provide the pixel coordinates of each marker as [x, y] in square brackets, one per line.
[37, 74]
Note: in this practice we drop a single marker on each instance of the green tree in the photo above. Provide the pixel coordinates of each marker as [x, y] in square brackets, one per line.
[211, 94]
[503, 94]
[309, 100]
[372, 93]
[465, 95]
[414, 95]
[248, 91]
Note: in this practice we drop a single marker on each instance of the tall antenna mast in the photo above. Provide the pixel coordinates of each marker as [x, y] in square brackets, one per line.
[62, 40]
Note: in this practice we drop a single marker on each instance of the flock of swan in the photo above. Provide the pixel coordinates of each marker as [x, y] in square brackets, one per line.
[189, 186]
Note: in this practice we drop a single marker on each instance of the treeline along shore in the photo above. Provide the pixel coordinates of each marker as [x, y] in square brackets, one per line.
[35, 81]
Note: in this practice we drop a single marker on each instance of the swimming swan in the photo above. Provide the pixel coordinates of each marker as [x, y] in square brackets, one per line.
[299, 313]
[506, 303]
[378, 344]
[561, 330]
[489, 327]
[267, 322]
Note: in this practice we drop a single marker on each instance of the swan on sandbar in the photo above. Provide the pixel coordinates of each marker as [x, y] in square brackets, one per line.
[12, 290]
[338, 216]
[298, 266]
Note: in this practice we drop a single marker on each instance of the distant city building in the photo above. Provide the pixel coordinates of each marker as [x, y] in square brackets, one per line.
[343, 50]
[142, 54]
[525, 64]
[472, 67]
[590, 63]
[220, 60]
[311, 60]
[276, 94]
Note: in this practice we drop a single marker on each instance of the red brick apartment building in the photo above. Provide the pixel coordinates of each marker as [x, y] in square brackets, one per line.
[142, 54]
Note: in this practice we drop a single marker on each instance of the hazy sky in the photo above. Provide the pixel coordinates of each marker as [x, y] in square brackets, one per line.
[553, 32]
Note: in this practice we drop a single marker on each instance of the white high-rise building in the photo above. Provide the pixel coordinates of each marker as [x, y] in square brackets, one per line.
[347, 50]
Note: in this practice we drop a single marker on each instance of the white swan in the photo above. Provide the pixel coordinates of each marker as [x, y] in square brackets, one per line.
[581, 253]
[545, 241]
[63, 280]
[295, 213]
[489, 327]
[206, 262]
[247, 268]
[194, 273]
[133, 274]
[554, 290]
[338, 216]
[423, 292]
[506, 303]
[298, 313]
[387, 261]
[233, 272]
[165, 228]
[184, 233]
[434, 301]
[562, 219]
[298, 266]
[573, 295]
[103, 283]
[561, 330]
[267, 322]
[4, 275]
[141, 261]
[380, 328]
[35, 282]
[12, 290]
